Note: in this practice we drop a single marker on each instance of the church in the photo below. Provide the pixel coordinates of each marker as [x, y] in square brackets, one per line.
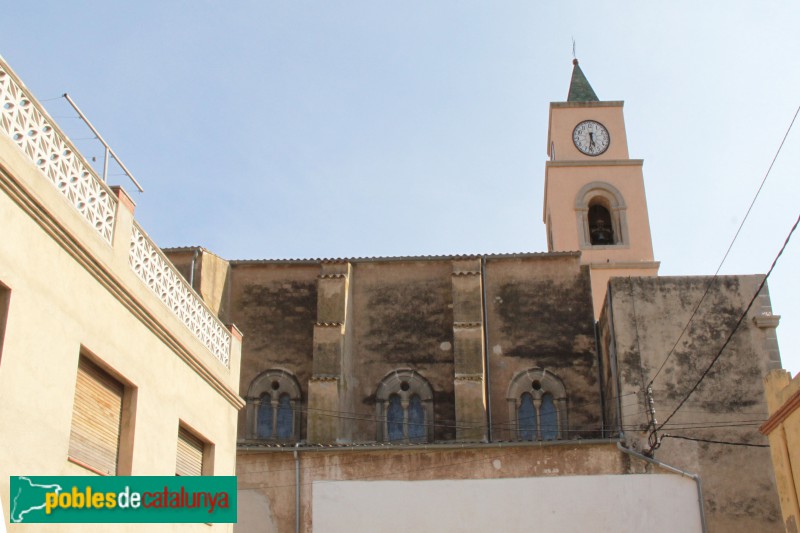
[503, 390]
[552, 390]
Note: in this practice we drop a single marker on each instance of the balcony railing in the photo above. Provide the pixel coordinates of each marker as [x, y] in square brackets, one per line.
[150, 264]
[26, 122]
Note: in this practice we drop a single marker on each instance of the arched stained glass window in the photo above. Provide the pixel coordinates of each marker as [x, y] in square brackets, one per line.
[416, 420]
[285, 416]
[394, 418]
[272, 407]
[527, 418]
[404, 408]
[264, 424]
[537, 406]
[549, 418]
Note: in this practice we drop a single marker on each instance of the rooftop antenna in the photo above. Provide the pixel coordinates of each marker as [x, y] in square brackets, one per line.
[108, 148]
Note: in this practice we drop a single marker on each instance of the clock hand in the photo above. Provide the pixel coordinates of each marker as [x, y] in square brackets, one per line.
[591, 139]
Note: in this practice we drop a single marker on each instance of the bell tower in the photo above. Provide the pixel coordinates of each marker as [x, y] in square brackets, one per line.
[594, 199]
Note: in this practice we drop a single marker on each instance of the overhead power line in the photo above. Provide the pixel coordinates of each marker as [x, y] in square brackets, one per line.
[288, 464]
[728, 251]
[736, 326]
[444, 423]
[667, 435]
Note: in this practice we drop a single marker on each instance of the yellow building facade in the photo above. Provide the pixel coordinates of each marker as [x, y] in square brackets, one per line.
[110, 364]
[783, 430]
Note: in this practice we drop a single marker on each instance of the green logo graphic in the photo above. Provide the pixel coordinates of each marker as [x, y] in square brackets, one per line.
[131, 499]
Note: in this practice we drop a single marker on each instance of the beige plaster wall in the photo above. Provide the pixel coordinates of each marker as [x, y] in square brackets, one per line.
[72, 293]
[623, 504]
[565, 180]
[214, 286]
[564, 116]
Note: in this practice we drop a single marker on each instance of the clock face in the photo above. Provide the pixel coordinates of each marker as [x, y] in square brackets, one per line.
[591, 137]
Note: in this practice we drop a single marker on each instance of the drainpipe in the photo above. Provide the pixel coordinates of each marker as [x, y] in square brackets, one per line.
[487, 386]
[296, 489]
[665, 466]
[612, 361]
[191, 270]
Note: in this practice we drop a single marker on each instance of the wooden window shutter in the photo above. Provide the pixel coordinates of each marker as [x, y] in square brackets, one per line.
[96, 416]
[190, 454]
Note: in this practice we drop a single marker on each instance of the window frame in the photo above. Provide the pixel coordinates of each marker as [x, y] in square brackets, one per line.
[188, 434]
[548, 384]
[262, 387]
[392, 385]
[125, 428]
[608, 196]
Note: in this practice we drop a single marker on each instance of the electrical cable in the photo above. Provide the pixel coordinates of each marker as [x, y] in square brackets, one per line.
[736, 326]
[667, 435]
[728, 251]
[438, 423]
[377, 448]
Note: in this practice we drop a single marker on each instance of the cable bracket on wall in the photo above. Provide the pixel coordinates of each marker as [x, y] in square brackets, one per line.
[653, 439]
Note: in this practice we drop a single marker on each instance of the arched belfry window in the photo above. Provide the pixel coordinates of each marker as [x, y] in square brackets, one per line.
[537, 405]
[273, 402]
[601, 229]
[601, 216]
[404, 408]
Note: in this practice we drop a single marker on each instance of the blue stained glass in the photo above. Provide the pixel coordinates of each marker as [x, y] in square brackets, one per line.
[526, 418]
[284, 428]
[416, 420]
[394, 418]
[264, 427]
[549, 418]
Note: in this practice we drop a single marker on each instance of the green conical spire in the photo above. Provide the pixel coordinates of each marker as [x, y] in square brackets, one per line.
[579, 88]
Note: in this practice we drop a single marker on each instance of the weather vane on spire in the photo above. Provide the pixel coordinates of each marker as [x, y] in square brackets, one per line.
[573, 49]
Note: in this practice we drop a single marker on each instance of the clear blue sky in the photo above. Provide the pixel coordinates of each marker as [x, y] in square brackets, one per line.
[344, 129]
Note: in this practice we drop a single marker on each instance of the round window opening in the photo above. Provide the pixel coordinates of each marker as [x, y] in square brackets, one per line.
[404, 386]
[536, 385]
[276, 385]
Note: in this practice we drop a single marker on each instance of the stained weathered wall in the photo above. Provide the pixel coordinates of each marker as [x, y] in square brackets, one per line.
[644, 321]
[540, 315]
[267, 478]
[403, 318]
[342, 326]
[274, 306]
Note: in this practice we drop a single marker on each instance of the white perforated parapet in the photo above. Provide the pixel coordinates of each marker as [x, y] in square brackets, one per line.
[162, 278]
[26, 123]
